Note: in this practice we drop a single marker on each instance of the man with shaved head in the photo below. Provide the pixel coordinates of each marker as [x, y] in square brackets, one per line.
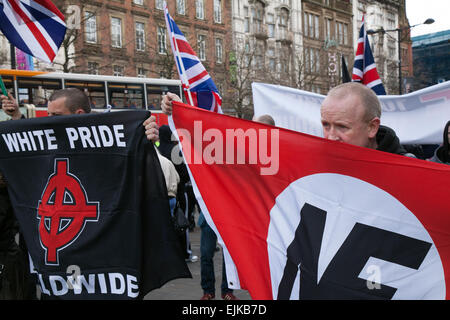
[351, 113]
[265, 118]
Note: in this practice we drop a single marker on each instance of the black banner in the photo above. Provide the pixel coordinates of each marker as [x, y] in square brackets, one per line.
[92, 204]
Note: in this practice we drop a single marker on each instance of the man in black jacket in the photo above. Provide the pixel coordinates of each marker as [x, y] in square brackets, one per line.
[15, 281]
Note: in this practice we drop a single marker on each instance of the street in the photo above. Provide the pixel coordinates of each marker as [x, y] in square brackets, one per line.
[190, 289]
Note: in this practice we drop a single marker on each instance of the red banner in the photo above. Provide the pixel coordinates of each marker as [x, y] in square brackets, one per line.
[302, 217]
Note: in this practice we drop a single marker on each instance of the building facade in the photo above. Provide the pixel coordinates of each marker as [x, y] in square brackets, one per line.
[296, 43]
[431, 59]
[266, 41]
[129, 38]
[382, 16]
[327, 39]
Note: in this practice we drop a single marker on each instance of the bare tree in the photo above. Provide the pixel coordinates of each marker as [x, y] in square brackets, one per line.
[76, 22]
[241, 75]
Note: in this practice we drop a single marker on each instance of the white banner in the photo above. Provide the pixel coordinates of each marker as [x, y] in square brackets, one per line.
[417, 118]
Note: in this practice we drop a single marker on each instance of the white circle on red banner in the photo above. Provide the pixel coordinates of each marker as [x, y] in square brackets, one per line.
[348, 201]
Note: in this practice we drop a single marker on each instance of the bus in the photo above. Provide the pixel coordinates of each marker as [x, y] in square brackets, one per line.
[33, 88]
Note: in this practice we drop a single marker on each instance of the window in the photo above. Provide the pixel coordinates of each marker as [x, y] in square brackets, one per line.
[342, 33]
[391, 20]
[140, 36]
[270, 25]
[126, 95]
[141, 73]
[257, 17]
[311, 25]
[181, 7]
[116, 32]
[284, 16]
[272, 60]
[218, 11]
[219, 50]
[316, 27]
[90, 28]
[118, 71]
[345, 34]
[161, 40]
[258, 62]
[159, 4]
[200, 9]
[246, 20]
[283, 23]
[328, 32]
[201, 44]
[312, 60]
[92, 67]
[391, 48]
[139, 2]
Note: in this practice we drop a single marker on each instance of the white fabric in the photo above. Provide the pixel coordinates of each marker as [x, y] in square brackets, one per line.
[417, 118]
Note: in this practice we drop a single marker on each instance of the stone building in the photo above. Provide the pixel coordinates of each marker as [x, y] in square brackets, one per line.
[327, 38]
[296, 43]
[380, 16]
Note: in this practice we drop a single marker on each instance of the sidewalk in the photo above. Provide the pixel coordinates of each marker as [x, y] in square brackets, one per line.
[190, 289]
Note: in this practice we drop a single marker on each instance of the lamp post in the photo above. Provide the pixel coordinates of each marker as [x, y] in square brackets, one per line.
[399, 33]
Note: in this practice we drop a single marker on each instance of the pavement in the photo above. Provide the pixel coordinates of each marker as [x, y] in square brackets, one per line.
[190, 289]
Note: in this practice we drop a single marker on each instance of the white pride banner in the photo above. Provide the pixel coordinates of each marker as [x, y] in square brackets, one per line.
[417, 118]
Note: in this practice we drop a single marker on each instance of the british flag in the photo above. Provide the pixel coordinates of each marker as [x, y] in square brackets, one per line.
[364, 69]
[198, 86]
[36, 27]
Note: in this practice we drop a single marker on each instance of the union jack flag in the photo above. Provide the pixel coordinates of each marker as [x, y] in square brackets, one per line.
[364, 69]
[198, 86]
[36, 27]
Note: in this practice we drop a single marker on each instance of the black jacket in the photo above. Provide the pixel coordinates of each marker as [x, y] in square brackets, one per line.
[13, 263]
[388, 141]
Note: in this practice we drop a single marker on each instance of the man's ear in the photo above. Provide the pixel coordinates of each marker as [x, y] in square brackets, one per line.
[373, 127]
[80, 111]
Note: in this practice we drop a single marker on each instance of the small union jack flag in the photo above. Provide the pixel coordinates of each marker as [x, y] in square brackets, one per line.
[364, 69]
[199, 89]
[36, 27]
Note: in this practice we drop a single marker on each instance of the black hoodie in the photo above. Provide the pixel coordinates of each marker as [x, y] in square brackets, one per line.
[441, 154]
[388, 141]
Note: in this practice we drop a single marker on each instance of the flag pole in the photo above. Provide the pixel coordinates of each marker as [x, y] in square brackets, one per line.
[178, 60]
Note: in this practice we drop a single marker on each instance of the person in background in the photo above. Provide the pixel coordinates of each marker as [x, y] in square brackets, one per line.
[11, 107]
[442, 154]
[172, 179]
[265, 118]
[169, 149]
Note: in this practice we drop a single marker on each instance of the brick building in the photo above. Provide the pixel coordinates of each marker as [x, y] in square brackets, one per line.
[129, 37]
[327, 37]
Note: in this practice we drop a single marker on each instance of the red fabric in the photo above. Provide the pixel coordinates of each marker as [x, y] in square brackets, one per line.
[239, 198]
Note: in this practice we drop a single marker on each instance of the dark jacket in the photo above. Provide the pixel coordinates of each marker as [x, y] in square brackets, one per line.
[388, 141]
[441, 155]
[166, 147]
[13, 262]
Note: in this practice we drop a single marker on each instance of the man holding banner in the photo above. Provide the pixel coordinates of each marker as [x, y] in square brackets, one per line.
[350, 113]
[61, 223]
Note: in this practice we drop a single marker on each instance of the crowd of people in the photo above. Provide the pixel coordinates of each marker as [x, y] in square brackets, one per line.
[350, 114]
